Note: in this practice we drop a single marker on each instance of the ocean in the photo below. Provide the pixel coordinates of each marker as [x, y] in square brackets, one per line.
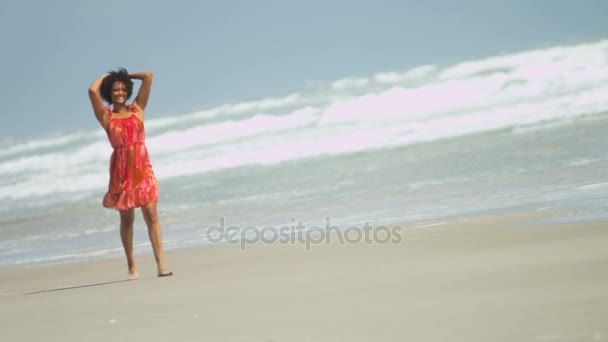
[523, 131]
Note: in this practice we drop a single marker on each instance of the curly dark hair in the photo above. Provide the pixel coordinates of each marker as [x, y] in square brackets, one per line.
[120, 75]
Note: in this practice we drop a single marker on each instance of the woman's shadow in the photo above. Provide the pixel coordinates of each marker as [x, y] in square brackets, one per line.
[76, 287]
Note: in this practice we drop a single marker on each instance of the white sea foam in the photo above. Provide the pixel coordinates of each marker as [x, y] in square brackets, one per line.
[91, 254]
[580, 162]
[387, 109]
[593, 186]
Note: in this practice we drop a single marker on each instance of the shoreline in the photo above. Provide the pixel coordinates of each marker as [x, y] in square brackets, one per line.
[143, 247]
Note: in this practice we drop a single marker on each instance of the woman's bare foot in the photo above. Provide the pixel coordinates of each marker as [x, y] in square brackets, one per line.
[133, 275]
[165, 273]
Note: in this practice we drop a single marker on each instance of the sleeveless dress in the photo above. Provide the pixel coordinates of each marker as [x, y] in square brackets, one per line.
[132, 181]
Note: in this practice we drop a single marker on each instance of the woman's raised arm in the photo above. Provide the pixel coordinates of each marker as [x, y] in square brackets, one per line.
[141, 100]
[97, 103]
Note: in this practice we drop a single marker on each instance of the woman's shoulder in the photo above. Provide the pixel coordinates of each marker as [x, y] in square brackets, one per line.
[135, 108]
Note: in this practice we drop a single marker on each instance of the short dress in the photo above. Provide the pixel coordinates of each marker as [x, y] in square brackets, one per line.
[132, 181]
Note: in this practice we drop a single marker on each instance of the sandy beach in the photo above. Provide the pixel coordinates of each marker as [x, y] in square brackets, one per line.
[492, 278]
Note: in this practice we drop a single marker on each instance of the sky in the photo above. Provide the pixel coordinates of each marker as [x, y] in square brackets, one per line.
[208, 53]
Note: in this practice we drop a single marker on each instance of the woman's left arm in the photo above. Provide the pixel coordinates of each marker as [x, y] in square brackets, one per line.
[141, 100]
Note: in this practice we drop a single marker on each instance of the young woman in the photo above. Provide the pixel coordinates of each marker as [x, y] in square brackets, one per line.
[132, 181]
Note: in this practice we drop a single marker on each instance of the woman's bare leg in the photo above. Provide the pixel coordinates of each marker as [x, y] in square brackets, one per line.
[156, 236]
[126, 236]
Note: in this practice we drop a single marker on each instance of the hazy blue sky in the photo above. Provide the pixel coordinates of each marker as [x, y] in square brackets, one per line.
[207, 53]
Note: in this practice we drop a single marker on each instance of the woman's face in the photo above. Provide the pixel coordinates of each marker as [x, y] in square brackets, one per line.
[119, 93]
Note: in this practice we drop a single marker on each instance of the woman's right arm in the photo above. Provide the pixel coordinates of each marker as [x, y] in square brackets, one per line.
[100, 111]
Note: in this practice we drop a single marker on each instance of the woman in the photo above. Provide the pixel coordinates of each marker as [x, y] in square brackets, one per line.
[132, 181]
